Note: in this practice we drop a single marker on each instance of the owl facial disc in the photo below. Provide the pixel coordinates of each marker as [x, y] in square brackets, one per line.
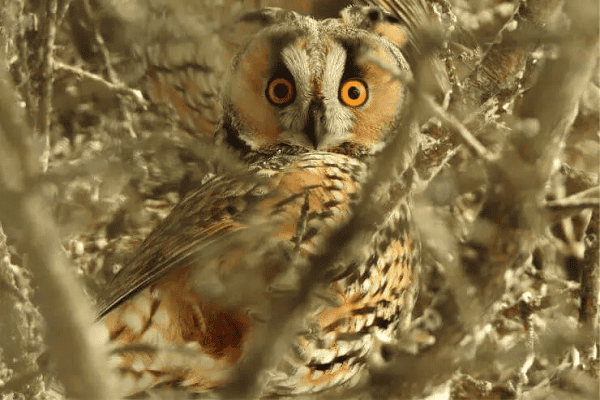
[314, 85]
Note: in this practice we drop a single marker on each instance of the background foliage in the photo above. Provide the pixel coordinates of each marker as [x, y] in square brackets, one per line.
[95, 151]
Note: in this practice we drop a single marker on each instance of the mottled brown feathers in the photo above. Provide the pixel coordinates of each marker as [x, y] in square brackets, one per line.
[197, 294]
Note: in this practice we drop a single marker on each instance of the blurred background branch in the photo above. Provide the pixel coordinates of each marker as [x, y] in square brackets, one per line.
[507, 173]
[24, 208]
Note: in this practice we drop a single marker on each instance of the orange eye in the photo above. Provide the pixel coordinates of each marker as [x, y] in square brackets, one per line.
[280, 91]
[353, 93]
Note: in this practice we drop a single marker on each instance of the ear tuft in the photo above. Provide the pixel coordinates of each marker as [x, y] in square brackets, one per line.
[406, 24]
[376, 20]
[251, 22]
[393, 32]
[374, 15]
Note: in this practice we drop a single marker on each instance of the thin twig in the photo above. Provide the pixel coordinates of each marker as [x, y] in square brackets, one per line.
[118, 88]
[25, 76]
[575, 203]
[112, 75]
[463, 132]
[590, 274]
[62, 12]
[47, 86]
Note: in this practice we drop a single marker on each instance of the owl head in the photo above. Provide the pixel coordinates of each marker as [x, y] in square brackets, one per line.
[302, 85]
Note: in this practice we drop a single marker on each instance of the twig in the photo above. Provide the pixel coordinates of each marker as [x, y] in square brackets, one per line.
[567, 206]
[463, 133]
[25, 76]
[112, 75]
[592, 193]
[522, 376]
[118, 88]
[590, 274]
[62, 12]
[47, 86]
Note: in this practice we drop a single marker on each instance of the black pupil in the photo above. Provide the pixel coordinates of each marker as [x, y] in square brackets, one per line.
[354, 93]
[280, 90]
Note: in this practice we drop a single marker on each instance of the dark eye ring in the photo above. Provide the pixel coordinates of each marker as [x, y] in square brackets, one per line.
[280, 91]
[354, 92]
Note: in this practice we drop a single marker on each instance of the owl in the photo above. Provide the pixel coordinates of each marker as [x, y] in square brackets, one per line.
[261, 258]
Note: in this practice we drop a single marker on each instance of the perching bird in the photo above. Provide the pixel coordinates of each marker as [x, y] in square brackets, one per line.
[309, 106]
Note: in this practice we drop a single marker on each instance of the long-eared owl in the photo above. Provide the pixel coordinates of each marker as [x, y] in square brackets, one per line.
[309, 106]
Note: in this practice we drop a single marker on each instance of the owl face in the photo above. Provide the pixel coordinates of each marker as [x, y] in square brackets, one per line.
[301, 85]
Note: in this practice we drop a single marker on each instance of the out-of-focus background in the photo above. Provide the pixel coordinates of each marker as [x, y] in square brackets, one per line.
[106, 114]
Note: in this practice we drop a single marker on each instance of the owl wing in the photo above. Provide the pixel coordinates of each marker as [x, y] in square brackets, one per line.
[197, 228]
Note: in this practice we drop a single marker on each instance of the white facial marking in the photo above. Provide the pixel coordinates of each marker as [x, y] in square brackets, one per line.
[293, 117]
[338, 118]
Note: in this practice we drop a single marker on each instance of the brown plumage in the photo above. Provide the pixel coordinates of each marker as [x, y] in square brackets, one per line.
[309, 105]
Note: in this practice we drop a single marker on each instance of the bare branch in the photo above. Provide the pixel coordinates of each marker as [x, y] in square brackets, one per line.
[118, 88]
[568, 206]
[112, 75]
[47, 86]
[463, 133]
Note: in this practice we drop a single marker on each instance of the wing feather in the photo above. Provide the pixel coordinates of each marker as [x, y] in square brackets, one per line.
[198, 227]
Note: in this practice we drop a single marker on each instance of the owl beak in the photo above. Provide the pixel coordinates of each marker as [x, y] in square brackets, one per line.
[314, 125]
